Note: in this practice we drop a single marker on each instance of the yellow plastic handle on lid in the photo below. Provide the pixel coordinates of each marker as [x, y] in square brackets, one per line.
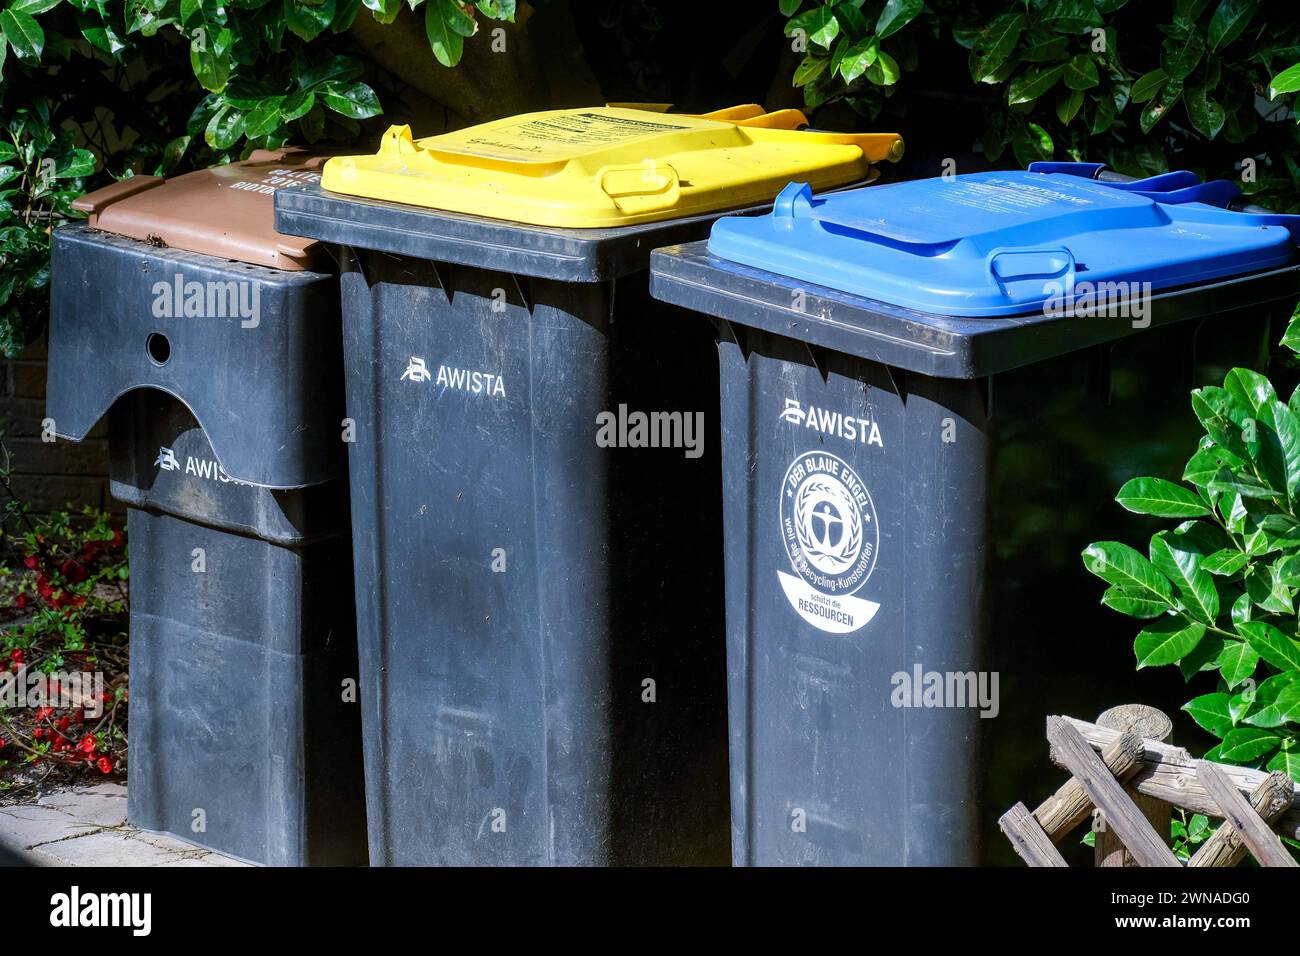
[641, 187]
[778, 119]
[877, 147]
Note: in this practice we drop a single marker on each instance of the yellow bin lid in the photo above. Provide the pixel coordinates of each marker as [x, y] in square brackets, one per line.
[610, 166]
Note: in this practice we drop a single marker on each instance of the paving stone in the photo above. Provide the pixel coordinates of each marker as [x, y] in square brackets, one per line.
[28, 825]
[86, 827]
[102, 848]
[103, 805]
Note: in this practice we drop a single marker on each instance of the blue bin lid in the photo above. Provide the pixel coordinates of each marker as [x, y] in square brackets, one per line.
[998, 243]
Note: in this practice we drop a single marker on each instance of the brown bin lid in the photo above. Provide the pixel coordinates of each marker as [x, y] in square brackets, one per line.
[225, 211]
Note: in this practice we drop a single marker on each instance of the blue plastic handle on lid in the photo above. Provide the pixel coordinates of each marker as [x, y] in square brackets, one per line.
[1022, 273]
[1085, 170]
[1176, 187]
[1217, 192]
[1161, 183]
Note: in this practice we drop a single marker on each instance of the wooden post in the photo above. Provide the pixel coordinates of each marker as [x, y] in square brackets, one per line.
[1150, 724]
[1122, 815]
[1269, 799]
[1070, 805]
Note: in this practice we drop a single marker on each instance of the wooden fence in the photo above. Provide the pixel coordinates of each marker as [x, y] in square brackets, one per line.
[1134, 780]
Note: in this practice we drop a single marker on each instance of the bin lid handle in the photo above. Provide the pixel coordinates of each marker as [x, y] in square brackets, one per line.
[1020, 273]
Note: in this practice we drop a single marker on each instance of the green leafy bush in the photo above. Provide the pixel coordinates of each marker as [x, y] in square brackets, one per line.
[1219, 590]
[1127, 83]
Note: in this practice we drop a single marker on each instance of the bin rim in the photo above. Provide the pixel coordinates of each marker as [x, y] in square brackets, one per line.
[942, 346]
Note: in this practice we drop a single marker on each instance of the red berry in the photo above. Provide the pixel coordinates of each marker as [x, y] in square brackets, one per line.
[118, 539]
[64, 723]
[17, 655]
[20, 601]
[2, 743]
[31, 561]
[38, 733]
[105, 765]
[87, 744]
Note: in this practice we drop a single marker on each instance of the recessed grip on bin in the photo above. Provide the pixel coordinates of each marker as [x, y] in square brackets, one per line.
[1021, 273]
[640, 187]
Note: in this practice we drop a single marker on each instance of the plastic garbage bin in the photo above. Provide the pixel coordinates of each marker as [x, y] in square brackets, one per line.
[538, 561]
[907, 403]
[213, 345]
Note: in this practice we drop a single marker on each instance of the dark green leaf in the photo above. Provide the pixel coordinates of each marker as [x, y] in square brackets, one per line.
[1070, 16]
[896, 15]
[1225, 563]
[858, 58]
[1266, 591]
[225, 127]
[446, 43]
[818, 24]
[1211, 712]
[1277, 701]
[354, 100]
[1206, 115]
[34, 7]
[1148, 85]
[1031, 143]
[23, 33]
[1156, 496]
[1117, 563]
[1068, 103]
[1182, 54]
[1288, 761]
[308, 21]
[1195, 586]
[995, 45]
[1033, 83]
[811, 68]
[1134, 605]
[884, 71]
[1081, 73]
[1237, 661]
[1247, 744]
[1288, 81]
[386, 11]
[1167, 640]
[1203, 657]
[264, 118]
[1250, 386]
[1231, 17]
[1271, 644]
[1159, 107]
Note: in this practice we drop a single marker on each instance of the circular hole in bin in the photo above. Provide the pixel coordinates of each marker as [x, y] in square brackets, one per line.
[158, 347]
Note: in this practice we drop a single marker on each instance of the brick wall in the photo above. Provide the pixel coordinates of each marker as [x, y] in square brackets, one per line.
[49, 475]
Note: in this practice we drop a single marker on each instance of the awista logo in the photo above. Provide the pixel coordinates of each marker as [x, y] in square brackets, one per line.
[197, 467]
[828, 422]
[467, 380]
